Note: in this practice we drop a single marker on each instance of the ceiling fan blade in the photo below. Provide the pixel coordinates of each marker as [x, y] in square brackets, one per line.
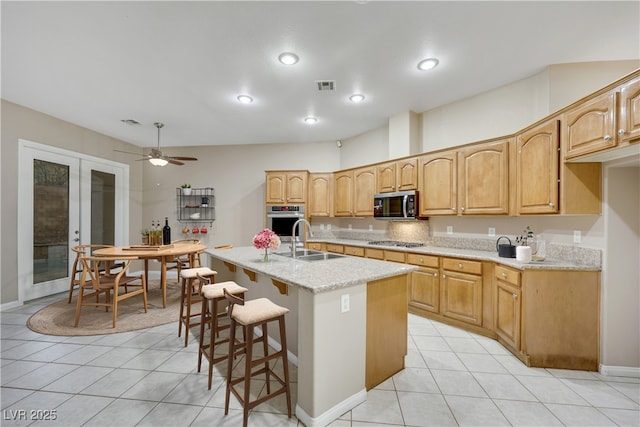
[129, 152]
[173, 162]
[182, 158]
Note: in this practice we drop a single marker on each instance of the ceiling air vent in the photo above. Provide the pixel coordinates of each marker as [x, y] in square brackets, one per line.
[326, 85]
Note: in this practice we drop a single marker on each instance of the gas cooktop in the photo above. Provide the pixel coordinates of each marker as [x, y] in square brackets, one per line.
[396, 243]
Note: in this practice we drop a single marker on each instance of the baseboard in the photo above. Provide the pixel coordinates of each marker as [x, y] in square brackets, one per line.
[620, 371]
[332, 414]
[10, 305]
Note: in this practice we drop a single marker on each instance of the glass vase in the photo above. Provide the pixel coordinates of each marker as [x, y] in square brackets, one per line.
[266, 255]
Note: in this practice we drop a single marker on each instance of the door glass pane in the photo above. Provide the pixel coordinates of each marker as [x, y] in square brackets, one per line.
[103, 202]
[50, 221]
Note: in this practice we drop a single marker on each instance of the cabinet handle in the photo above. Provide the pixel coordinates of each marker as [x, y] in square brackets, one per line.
[453, 209]
[504, 274]
[515, 296]
[621, 132]
[421, 260]
[460, 266]
[551, 204]
[607, 137]
[444, 277]
[462, 209]
[436, 275]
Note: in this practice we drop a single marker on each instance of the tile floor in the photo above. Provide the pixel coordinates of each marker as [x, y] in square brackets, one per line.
[148, 378]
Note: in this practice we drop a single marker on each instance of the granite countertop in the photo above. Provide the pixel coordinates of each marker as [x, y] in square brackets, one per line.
[317, 276]
[547, 264]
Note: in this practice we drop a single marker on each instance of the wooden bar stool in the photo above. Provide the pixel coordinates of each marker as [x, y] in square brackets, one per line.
[212, 295]
[188, 296]
[252, 314]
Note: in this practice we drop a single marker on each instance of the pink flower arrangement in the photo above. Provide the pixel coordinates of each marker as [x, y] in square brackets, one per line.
[266, 239]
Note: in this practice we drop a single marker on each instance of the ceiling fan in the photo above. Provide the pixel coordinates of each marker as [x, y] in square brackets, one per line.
[157, 157]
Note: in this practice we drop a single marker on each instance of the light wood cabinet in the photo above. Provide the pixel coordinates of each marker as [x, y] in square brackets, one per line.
[286, 186]
[483, 179]
[507, 305]
[320, 202]
[437, 184]
[316, 246]
[461, 290]
[353, 192]
[629, 117]
[590, 127]
[354, 250]
[401, 175]
[537, 169]
[424, 292]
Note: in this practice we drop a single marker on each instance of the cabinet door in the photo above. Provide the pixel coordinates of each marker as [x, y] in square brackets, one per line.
[276, 187]
[296, 187]
[537, 169]
[343, 193]
[364, 180]
[589, 128]
[629, 120]
[320, 194]
[507, 313]
[484, 179]
[461, 297]
[387, 177]
[437, 181]
[424, 292]
[407, 174]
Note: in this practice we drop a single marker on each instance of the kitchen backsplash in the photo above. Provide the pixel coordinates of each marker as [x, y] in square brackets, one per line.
[418, 231]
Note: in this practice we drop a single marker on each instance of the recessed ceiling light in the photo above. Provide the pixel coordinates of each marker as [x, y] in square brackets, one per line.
[288, 58]
[244, 99]
[310, 120]
[356, 97]
[427, 64]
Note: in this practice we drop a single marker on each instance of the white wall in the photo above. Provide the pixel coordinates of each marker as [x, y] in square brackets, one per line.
[370, 147]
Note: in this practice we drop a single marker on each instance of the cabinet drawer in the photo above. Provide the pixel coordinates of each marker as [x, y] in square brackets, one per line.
[375, 253]
[462, 265]
[394, 256]
[354, 250]
[339, 249]
[423, 260]
[316, 246]
[508, 275]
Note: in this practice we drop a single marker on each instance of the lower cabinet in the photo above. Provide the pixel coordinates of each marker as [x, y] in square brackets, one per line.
[424, 291]
[508, 296]
[461, 297]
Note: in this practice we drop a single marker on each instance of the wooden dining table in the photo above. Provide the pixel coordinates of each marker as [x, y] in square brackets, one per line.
[162, 254]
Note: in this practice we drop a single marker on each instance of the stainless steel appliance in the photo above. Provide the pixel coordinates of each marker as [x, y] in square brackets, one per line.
[400, 205]
[280, 219]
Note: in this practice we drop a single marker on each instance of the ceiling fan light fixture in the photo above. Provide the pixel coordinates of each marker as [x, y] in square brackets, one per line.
[158, 162]
[428, 64]
[288, 58]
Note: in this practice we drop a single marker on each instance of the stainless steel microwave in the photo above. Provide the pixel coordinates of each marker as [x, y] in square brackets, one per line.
[400, 205]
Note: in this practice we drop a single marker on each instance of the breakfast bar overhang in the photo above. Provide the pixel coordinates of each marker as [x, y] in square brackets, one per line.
[347, 326]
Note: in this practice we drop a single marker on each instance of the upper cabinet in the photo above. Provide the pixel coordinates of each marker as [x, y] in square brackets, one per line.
[536, 183]
[320, 195]
[400, 175]
[607, 121]
[483, 179]
[437, 184]
[286, 186]
[353, 191]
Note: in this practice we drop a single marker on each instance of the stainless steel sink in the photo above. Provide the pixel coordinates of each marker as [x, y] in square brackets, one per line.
[299, 253]
[310, 255]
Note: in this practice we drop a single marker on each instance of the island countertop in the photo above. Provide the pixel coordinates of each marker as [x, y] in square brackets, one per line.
[316, 276]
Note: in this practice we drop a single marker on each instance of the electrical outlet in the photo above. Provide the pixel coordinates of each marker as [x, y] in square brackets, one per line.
[577, 236]
[344, 303]
[350, 227]
[492, 232]
[370, 227]
[328, 227]
[449, 229]
[321, 227]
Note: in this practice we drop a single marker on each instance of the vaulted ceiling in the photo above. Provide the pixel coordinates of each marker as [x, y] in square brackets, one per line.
[184, 63]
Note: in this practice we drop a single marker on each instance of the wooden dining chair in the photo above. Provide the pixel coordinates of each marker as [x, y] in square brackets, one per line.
[94, 282]
[183, 261]
[76, 270]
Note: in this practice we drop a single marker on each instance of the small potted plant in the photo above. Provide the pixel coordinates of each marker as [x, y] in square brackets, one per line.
[186, 189]
[523, 250]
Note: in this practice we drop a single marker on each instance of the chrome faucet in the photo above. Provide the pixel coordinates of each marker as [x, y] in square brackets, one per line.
[293, 235]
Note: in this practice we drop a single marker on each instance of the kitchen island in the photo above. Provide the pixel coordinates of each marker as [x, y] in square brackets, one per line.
[347, 328]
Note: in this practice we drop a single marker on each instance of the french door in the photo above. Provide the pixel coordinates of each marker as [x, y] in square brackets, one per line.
[66, 199]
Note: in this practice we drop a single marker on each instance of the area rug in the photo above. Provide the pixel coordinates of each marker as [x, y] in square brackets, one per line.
[58, 318]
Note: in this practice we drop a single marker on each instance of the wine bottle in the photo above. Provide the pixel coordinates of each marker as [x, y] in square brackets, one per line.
[166, 232]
